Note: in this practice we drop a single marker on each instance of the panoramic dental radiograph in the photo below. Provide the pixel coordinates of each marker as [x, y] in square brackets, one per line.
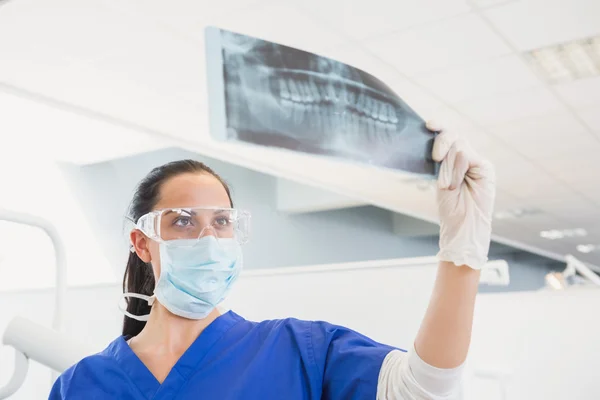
[268, 94]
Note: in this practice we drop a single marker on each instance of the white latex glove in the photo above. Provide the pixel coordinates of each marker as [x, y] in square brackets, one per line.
[465, 197]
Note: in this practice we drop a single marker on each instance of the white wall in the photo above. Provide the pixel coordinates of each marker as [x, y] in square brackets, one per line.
[36, 186]
[549, 339]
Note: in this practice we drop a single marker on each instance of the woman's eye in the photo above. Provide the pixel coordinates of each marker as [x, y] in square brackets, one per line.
[222, 221]
[183, 221]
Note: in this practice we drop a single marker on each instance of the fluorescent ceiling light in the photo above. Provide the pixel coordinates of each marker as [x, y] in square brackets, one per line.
[554, 234]
[517, 213]
[567, 61]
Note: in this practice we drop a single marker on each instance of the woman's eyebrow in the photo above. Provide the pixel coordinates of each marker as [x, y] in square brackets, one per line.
[216, 212]
[180, 211]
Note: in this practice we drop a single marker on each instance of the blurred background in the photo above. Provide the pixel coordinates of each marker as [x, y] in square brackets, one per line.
[94, 94]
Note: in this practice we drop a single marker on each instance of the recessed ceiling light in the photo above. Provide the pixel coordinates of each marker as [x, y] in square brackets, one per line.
[588, 248]
[567, 61]
[554, 234]
[517, 213]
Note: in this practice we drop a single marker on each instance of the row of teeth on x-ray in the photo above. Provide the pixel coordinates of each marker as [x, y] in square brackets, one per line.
[326, 121]
[307, 92]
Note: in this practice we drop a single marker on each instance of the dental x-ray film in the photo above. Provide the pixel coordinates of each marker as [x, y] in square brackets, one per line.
[268, 94]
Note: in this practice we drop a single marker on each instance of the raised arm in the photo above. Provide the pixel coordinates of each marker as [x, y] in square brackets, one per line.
[466, 191]
[445, 333]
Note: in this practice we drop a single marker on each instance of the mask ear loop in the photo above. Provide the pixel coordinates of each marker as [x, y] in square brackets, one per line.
[149, 299]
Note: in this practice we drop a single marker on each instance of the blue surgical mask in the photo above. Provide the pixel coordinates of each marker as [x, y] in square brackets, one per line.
[195, 276]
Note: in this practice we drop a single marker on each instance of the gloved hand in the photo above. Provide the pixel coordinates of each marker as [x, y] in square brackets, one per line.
[465, 197]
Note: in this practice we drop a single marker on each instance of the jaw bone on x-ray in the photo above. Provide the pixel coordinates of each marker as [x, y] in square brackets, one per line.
[273, 95]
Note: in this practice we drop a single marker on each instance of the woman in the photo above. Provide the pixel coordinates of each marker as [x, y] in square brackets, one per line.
[185, 257]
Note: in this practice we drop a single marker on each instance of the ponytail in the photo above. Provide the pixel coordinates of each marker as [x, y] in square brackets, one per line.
[138, 278]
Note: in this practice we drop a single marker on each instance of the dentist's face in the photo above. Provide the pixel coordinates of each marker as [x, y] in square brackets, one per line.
[185, 190]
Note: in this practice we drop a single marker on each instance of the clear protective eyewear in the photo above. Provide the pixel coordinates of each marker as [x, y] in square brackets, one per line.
[170, 224]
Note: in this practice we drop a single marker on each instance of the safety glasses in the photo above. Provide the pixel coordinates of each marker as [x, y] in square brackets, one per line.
[170, 224]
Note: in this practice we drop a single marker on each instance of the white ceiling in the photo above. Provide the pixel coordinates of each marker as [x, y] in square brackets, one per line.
[136, 69]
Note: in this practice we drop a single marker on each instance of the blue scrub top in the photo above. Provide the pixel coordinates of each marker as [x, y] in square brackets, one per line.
[238, 359]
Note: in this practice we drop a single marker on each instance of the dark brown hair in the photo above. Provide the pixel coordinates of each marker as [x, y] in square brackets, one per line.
[139, 277]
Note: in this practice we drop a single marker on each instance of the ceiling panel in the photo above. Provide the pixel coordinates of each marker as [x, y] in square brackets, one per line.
[451, 119]
[589, 187]
[480, 4]
[282, 23]
[189, 16]
[578, 169]
[574, 206]
[161, 63]
[40, 39]
[528, 233]
[545, 136]
[361, 19]
[109, 71]
[530, 24]
[570, 210]
[581, 93]
[512, 106]
[448, 43]
[66, 136]
[532, 225]
[485, 144]
[71, 29]
[525, 179]
[487, 78]
[507, 202]
[590, 222]
[591, 116]
[499, 154]
[122, 98]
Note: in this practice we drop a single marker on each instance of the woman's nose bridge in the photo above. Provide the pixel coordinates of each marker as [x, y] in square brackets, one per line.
[205, 221]
[208, 230]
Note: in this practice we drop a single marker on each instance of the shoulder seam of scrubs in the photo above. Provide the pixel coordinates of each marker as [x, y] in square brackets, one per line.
[311, 350]
[77, 366]
[69, 386]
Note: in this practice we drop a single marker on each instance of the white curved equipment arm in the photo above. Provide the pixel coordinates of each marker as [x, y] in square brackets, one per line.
[574, 265]
[42, 344]
[18, 377]
[53, 349]
[60, 293]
